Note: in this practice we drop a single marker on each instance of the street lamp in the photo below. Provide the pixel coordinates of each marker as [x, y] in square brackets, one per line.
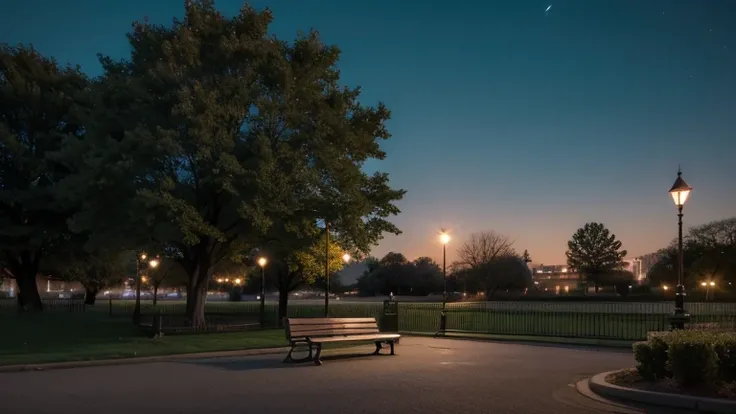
[346, 258]
[262, 263]
[444, 239]
[679, 192]
[139, 261]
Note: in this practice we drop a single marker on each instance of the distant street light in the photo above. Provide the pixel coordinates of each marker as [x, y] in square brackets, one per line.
[679, 192]
[346, 258]
[140, 261]
[262, 263]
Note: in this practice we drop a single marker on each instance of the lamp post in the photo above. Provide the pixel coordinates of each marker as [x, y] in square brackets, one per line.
[139, 261]
[679, 192]
[327, 269]
[444, 239]
[262, 312]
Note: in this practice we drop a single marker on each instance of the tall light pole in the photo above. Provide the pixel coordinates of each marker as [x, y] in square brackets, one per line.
[679, 192]
[262, 313]
[139, 262]
[444, 239]
[327, 269]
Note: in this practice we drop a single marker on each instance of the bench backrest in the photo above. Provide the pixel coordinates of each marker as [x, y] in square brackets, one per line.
[320, 327]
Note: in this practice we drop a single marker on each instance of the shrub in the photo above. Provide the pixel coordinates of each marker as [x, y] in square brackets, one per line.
[644, 356]
[692, 358]
[659, 342]
[725, 348]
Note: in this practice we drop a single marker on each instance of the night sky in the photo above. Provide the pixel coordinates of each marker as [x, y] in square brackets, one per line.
[504, 118]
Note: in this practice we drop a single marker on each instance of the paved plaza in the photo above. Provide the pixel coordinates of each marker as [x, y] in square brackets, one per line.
[426, 376]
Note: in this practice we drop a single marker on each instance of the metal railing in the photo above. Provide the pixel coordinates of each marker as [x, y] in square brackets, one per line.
[595, 320]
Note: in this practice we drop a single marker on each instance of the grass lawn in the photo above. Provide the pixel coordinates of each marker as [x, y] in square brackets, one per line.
[59, 337]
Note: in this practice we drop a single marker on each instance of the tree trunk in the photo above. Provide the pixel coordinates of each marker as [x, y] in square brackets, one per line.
[283, 305]
[90, 295]
[195, 304]
[25, 271]
[155, 294]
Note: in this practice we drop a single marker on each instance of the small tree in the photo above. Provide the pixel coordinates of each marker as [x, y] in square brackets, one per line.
[594, 251]
[168, 273]
[485, 247]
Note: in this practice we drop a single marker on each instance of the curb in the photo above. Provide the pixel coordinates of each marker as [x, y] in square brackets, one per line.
[599, 385]
[140, 360]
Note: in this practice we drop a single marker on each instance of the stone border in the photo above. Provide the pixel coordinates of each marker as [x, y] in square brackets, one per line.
[141, 360]
[599, 385]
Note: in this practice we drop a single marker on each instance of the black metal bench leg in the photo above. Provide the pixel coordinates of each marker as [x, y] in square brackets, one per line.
[289, 358]
[317, 361]
[378, 348]
[391, 344]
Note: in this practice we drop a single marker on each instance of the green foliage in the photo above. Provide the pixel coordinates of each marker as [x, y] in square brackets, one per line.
[395, 274]
[40, 104]
[594, 251]
[692, 359]
[644, 355]
[709, 253]
[310, 262]
[214, 137]
[725, 348]
[508, 272]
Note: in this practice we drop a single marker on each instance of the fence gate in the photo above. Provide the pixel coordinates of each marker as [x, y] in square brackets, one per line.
[390, 316]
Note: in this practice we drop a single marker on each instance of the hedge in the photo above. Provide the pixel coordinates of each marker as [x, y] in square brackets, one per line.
[689, 357]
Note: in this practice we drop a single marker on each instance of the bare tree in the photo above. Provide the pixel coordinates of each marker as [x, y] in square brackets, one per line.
[485, 247]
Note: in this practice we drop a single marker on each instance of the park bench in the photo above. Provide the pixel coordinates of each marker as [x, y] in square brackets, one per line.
[314, 332]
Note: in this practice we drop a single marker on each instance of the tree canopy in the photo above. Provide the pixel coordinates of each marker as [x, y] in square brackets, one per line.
[218, 138]
[594, 251]
[709, 254]
[40, 106]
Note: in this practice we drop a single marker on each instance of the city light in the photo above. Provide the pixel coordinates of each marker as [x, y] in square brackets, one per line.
[144, 279]
[703, 284]
[237, 281]
[143, 256]
[262, 262]
[712, 283]
[346, 258]
[153, 263]
[665, 287]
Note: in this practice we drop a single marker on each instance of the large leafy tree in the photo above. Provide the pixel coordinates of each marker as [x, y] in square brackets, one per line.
[594, 252]
[238, 140]
[709, 253]
[40, 105]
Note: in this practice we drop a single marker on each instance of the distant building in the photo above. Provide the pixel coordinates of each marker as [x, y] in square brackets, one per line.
[641, 265]
[555, 279]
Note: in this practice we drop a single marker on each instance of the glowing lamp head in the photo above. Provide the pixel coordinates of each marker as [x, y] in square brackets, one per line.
[346, 258]
[153, 263]
[262, 262]
[237, 281]
[712, 283]
[703, 284]
[680, 191]
[444, 238]
[144, 256]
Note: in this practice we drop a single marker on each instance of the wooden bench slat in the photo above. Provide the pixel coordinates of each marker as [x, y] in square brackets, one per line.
[356, 338]
[316, 328]
[323, 321]
[340, 332]
[336, 326]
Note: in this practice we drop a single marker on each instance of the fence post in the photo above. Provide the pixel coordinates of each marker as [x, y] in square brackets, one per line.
[109, 302]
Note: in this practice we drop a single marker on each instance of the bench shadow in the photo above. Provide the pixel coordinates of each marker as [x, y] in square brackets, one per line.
[251, 364]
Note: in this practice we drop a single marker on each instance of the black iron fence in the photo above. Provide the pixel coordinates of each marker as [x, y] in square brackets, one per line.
[49, 305]
[608, 320]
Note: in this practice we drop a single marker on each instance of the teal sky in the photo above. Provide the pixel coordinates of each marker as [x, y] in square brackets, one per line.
[504, 118]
